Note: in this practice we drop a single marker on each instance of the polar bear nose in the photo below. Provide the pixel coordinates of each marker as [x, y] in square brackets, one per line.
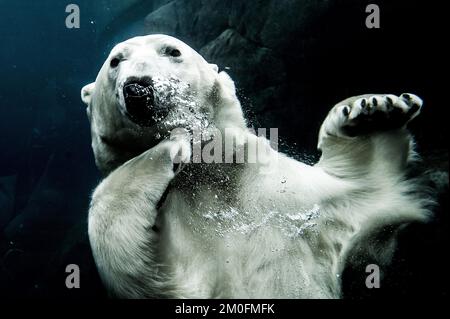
[140, 103]
[137, 90]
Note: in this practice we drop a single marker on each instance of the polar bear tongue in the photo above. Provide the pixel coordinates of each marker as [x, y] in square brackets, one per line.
[140, 104]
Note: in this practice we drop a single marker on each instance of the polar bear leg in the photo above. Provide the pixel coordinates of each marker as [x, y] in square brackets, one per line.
[122, 217]
[366, 130]
[365, 143]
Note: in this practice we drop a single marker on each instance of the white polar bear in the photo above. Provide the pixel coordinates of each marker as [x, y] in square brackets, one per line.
[158, 229]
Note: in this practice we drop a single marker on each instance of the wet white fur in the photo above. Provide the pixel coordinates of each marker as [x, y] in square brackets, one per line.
[359, 187]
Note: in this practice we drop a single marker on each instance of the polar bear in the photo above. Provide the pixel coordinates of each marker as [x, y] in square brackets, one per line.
[161, 225]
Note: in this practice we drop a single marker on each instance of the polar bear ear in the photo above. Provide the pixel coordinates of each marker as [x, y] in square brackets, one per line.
[214, 67]
[227, 86]
[86, 93]
[228, 107]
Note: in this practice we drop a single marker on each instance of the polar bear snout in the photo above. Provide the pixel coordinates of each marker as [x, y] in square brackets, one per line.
[140, 104]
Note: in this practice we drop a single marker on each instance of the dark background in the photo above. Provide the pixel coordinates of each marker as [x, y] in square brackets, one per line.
[292, 60]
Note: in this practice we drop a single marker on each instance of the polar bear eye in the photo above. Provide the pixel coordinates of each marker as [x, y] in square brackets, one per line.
[173, 52]
[114, 62]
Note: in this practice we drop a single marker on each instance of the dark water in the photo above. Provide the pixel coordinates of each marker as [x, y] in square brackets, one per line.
[316, 58]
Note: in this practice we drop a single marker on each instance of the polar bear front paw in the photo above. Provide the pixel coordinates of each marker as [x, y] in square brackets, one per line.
[367, 114]
[165, 159]
[179, 149]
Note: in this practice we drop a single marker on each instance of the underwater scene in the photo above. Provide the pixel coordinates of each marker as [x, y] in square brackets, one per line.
[140, 97]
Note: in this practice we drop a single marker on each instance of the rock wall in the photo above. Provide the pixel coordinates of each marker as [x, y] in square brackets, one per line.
[293, 60]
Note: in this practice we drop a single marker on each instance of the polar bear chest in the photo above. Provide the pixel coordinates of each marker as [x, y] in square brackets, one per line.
[221, 249]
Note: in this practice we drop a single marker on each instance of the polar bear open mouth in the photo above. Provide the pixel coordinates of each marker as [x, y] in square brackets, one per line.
[140, 102]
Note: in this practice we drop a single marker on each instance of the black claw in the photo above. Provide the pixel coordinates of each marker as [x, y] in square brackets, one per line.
[345, 111]
[374, 102]
[406, 96]
[363, 103]
[389, 100]
[414, 108]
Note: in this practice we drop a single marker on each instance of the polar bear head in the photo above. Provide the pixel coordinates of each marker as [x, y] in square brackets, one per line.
[147, 87]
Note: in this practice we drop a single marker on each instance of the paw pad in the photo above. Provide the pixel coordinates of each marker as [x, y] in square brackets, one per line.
[369, 114]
